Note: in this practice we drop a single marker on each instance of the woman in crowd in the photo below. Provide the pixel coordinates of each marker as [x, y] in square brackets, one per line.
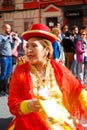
[43, 94]
[58, 52]
[81, 52]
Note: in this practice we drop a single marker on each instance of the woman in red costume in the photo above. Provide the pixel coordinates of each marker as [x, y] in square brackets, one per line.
[43, 94]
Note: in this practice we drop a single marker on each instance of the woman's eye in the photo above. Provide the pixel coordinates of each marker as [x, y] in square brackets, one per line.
[34, 46]
[27, 47]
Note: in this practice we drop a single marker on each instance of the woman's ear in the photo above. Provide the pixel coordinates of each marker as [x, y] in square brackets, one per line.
[47, 50]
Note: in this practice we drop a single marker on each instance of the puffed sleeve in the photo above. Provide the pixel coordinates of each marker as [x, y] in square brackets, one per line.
[83, 98]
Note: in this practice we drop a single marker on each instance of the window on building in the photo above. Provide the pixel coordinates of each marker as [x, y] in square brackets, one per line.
[51, 21]
[7, 2]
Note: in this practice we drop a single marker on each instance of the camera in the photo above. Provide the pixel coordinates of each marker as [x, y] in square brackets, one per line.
[14, 37]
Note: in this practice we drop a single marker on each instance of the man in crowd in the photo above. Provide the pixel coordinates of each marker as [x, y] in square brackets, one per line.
[6, 46]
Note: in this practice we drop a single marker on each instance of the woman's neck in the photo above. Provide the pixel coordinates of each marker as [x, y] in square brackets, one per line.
[40, 65]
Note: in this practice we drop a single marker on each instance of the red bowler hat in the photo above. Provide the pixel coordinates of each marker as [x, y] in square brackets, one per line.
[39, 30]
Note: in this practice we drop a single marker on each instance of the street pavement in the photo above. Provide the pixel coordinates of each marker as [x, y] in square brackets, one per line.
[5, 115]
[4, 110]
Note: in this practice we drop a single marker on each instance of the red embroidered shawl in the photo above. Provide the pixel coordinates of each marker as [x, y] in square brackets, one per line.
[21, 89]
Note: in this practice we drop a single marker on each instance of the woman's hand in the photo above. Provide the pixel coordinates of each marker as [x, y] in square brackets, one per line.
[34, 105]
[21, 60]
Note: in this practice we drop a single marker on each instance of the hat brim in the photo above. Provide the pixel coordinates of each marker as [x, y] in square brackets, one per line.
[39, 33]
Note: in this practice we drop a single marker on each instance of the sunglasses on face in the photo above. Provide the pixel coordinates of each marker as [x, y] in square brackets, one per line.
[83, 34]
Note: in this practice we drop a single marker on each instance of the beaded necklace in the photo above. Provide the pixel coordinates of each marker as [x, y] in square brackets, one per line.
[44, 84]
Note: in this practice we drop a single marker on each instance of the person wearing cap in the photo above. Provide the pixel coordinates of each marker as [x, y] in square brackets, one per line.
[43, 94]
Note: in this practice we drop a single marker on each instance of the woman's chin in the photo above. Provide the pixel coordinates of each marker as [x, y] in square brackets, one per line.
[33, 62]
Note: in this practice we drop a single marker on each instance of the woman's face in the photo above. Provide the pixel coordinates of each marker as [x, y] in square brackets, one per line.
[35, 51]
[83, 35]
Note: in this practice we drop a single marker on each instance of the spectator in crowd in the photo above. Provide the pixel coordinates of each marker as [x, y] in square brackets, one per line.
[75, 37]
[69, 49]
[64, 29]
[85, 28]
[56, 44]
[85, 60]
[17, 41]
[6, 46]
[43, 94]
[81, 46]
[21, 47]
[58, 53]
[75, 34]
[58, 25]
[5, 57]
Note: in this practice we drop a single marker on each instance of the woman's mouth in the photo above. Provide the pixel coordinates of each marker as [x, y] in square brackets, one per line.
[30, 56]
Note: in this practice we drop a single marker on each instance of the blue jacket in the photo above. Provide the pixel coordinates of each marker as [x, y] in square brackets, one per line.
[56, 49]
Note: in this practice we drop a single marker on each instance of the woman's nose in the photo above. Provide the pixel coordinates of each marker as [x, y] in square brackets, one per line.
[29, 49]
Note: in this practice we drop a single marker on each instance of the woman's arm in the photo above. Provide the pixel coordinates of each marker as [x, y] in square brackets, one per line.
[20, 100]
[79, 49]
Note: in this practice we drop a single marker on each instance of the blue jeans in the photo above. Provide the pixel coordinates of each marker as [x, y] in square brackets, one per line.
[6, 69]
[81, 72]
[74, 68]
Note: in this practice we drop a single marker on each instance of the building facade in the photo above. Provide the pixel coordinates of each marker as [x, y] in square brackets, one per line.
[21, 14]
